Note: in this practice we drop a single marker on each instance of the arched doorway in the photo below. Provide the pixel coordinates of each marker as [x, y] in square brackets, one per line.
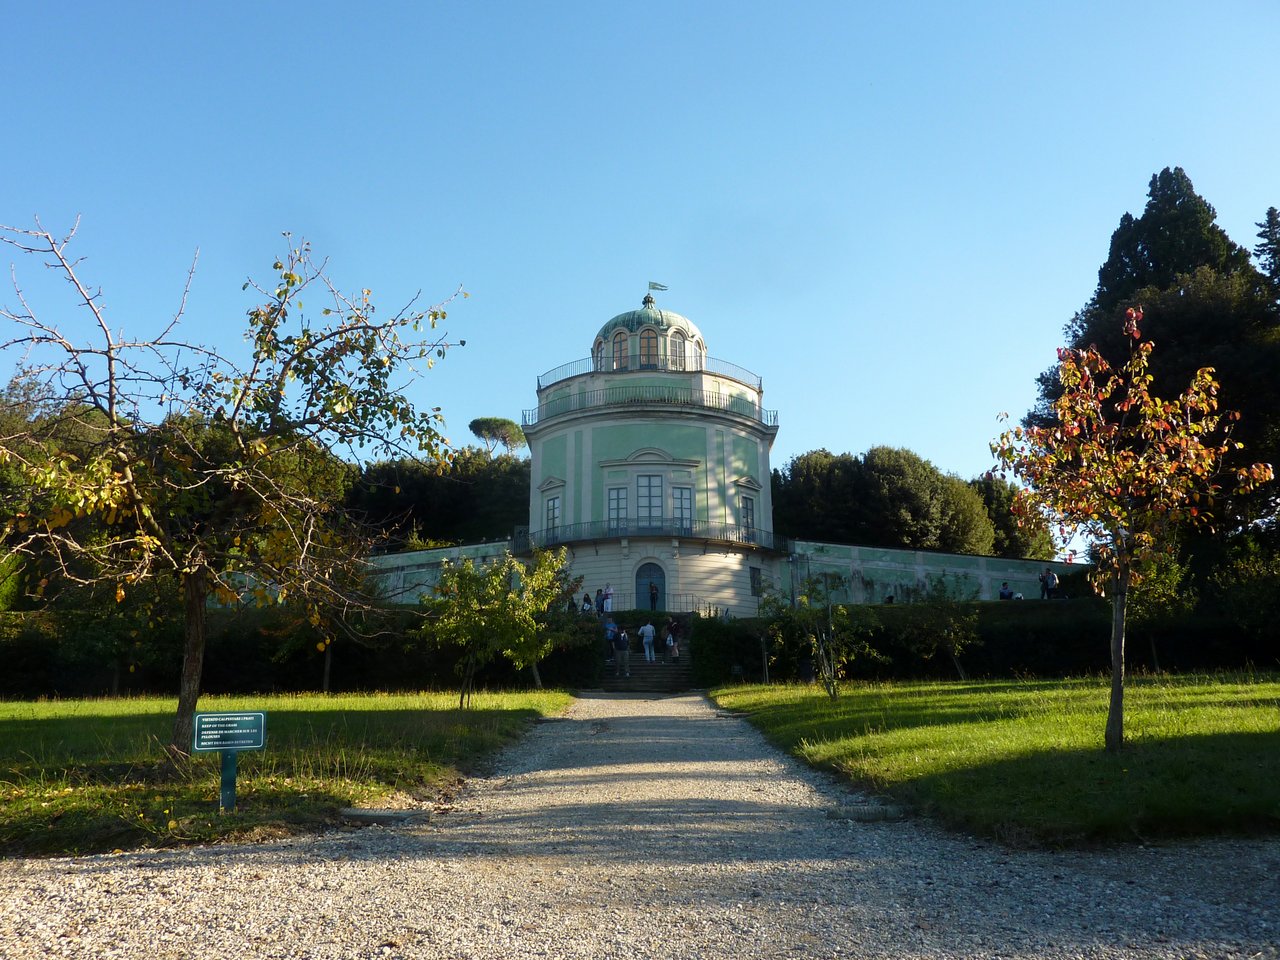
[651, 573]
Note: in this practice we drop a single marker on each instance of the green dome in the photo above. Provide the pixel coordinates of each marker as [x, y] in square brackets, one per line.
[664, 321]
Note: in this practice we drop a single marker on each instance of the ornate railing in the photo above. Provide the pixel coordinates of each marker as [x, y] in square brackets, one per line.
[636, 394]
[666, 527]
[694, 363]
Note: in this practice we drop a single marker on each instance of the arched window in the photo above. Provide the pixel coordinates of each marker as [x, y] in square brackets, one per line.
[620, 350]
[648, 349]
[677, 351]
[598, 355]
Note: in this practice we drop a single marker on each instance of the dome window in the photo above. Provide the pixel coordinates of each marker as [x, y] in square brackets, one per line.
[648, 349]
[598, 355]
[620, 350]
[677, 350]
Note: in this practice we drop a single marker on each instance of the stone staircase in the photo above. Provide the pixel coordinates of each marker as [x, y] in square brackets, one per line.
[648, 677]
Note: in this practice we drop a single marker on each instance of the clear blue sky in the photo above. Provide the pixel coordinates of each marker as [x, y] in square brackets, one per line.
[887, 210]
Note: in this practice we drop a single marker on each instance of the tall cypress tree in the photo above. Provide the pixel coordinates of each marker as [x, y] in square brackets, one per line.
[1268, 250]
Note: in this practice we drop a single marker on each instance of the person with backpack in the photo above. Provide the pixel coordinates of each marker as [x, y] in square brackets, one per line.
[621, 644]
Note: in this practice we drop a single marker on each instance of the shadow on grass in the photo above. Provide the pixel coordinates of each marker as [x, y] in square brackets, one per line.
[93, 783]
[1154, 788]
[127, 738]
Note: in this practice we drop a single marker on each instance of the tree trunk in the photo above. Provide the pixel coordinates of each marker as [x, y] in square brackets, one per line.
[464, 694]
[1114, 738]
[537, 677]
[328, 661]
[195, 596]
[955, 662]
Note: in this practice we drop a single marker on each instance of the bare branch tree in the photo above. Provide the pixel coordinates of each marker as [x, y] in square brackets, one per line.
[135, 458]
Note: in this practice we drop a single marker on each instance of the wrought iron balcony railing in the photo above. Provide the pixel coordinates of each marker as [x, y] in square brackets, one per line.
[636, 394]
[694, 363]
[665, 527]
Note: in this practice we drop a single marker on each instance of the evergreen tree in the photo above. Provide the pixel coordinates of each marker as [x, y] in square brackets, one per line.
[1176, 234]
[1204, 303]
[1268, 250]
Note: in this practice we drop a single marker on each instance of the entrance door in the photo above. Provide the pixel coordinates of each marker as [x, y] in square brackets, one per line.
[651, 573]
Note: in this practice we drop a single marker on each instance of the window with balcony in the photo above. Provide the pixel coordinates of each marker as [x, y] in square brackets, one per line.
[682, 508]
[748, 519]
[648, 349]
[620, 350]
[649, 501]
[617, 509]
[553, 516]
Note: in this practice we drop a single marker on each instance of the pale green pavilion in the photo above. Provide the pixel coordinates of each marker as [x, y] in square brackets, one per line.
[650, 462]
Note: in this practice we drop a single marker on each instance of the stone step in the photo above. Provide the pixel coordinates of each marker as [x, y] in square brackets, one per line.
[649, 677]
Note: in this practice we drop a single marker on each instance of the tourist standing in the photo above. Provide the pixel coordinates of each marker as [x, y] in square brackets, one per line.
[621, 648]
[608, 598]
[653, 596]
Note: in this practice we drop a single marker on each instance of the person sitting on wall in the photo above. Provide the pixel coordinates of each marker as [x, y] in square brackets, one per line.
[1005, 592]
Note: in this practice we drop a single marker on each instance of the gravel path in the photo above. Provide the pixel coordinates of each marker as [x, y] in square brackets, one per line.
[647, 827]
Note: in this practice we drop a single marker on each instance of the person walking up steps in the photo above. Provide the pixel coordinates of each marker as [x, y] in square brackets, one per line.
[646, 638]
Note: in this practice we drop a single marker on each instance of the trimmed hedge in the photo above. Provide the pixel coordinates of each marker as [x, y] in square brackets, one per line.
[1010, 639]
[68, 654]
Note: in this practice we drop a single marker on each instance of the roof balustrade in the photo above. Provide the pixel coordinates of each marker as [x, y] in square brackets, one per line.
[626, 394]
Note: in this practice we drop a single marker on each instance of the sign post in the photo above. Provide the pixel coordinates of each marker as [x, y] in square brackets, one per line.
[229, 733]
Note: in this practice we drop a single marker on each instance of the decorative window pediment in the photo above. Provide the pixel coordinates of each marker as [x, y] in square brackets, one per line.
[747, 483]
[551, 483]
[650, 457]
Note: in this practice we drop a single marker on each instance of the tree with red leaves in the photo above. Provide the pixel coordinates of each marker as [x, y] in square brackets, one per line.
[1123, 467]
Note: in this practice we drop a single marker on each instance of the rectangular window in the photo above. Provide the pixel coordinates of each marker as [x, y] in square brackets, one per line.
[749, 519]
[682, 508]
[649, 501]
[618, 508]
[553, 514]
[757, 582]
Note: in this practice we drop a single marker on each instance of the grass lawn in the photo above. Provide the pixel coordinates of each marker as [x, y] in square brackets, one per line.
[79, 776]
[1023, 761]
